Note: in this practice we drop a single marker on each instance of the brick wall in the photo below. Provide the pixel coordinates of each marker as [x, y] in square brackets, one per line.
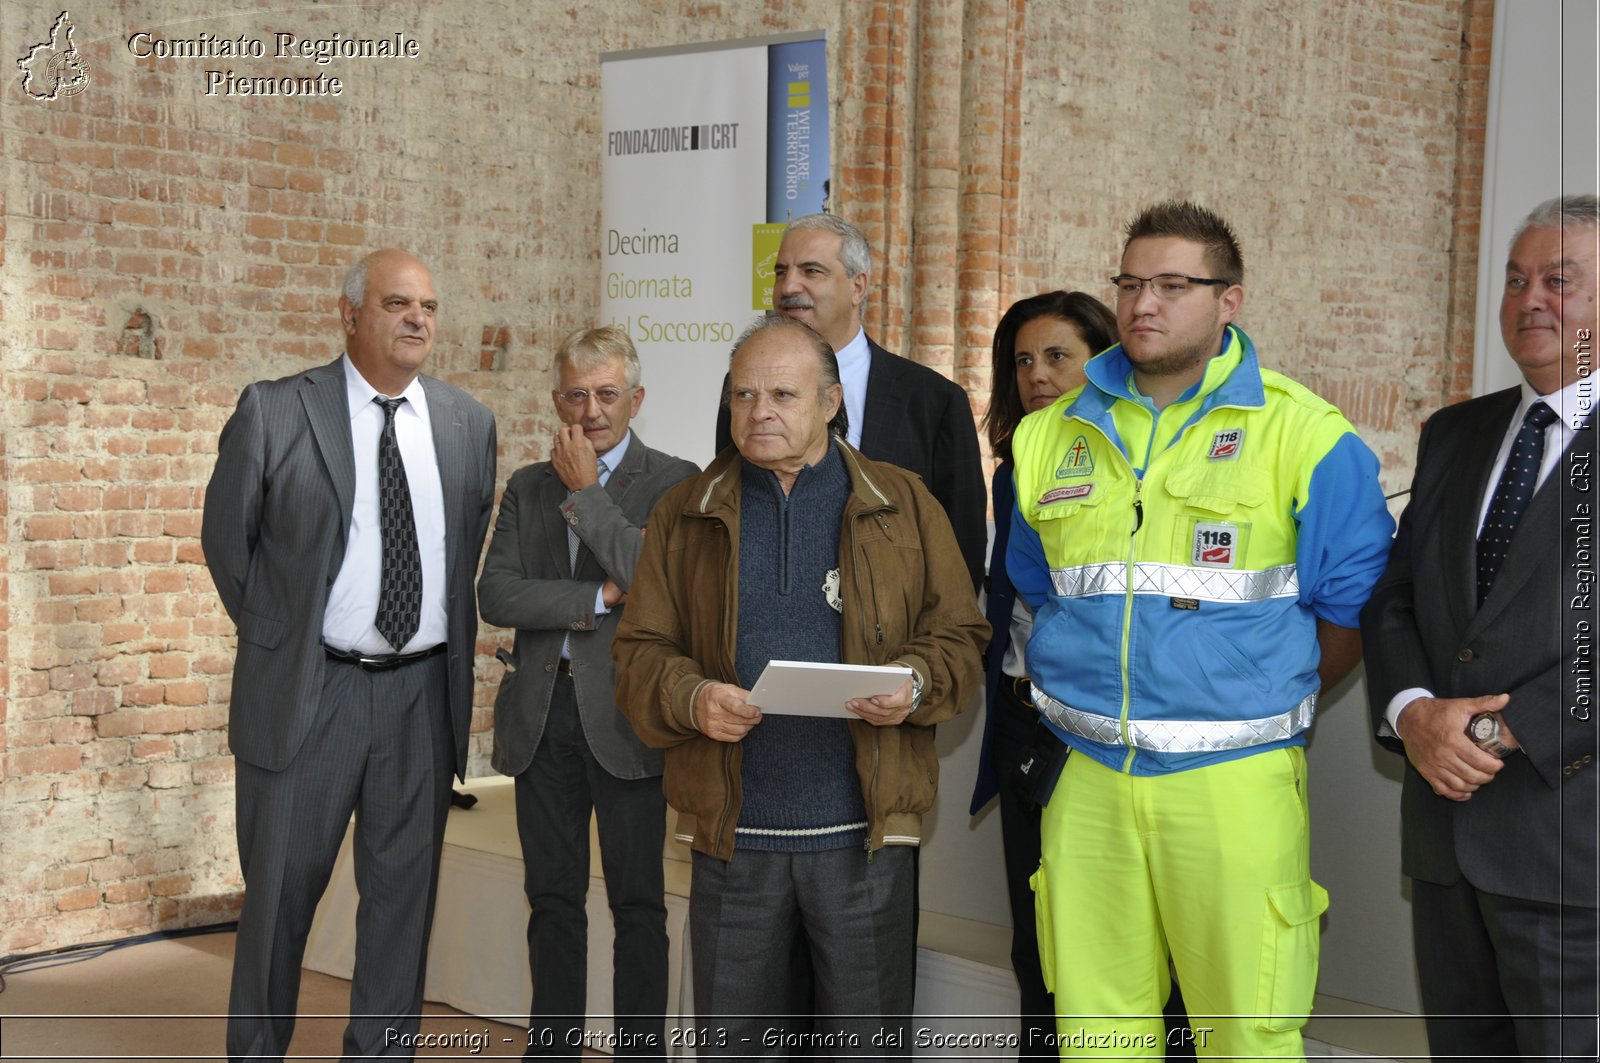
[1344, 142]
[161, 248]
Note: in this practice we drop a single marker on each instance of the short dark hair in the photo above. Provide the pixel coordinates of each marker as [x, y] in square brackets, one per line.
[826, 359]
[1094, 322]
[1189, 221]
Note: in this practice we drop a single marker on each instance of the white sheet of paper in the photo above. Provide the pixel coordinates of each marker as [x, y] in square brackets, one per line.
[808, 688]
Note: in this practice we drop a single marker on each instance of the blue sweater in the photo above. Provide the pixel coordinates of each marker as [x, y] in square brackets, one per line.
[798, 774]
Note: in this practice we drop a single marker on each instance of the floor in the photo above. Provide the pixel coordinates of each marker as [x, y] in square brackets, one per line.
[166, 1000]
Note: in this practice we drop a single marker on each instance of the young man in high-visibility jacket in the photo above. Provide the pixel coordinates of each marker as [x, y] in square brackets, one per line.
[1197, 536]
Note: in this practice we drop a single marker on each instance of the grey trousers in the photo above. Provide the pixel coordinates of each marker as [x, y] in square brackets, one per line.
[384, 750]
[849, 912]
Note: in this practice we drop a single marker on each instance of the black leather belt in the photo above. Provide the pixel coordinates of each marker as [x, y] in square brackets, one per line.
[380, 664]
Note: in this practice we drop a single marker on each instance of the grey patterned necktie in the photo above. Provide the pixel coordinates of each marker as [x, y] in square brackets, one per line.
[400, 593]
[572, 554]
[601, 468]
[1511, 494]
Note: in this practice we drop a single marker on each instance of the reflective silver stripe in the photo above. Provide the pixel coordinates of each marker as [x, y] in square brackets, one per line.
[1178, 736]
[1177, 581]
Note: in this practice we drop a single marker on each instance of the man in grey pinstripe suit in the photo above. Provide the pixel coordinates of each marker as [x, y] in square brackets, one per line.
[328, 716]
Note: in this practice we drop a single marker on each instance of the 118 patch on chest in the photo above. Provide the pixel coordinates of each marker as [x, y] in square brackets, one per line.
[1215, 545]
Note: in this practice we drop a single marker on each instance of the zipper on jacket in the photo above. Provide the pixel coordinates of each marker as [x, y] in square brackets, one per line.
[866, 598]
[1127, 622]
[1128, 595]
[783, 541]
[1123, 729]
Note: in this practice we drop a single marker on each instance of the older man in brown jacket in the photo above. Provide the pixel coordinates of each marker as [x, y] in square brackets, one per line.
[794, 546]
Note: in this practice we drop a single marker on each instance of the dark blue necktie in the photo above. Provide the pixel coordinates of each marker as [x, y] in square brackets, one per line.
[1511, 495]
[400, 592]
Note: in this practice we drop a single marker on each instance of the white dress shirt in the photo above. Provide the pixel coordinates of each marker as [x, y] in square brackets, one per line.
[347, 622]
[1557, 437]
[854, 360]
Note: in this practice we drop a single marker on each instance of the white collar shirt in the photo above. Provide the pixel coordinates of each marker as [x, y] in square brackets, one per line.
[1571, 404]
[1557, 436]
[855, 359]
[347, 621]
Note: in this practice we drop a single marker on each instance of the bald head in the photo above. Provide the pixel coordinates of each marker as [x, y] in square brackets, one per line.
[388, 308]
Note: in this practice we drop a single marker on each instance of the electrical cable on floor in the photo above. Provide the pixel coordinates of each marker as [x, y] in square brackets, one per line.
[22, 962]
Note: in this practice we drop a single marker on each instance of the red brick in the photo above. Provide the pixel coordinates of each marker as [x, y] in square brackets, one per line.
[154, 747]
[64, 877]
[76, 899]
[125, 892]
[94, 702]
[124, 778]
[169, 885]
[44, 760]
[120, 724]
[190, 693]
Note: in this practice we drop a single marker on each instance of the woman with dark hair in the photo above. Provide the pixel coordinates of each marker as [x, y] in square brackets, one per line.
[1039, 352]
[1040, 348]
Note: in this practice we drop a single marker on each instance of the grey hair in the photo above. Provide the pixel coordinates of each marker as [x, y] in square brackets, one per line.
[1560, 212]
[854, 254]
[355, 278]
[355, 282]
[589, 348]
[827, 361]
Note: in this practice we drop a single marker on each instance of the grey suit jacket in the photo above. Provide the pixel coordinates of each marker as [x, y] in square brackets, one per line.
[529, 584]
[1531, 832]
[277, 511]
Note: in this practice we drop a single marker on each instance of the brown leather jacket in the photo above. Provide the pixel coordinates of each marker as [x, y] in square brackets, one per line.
[907, 599]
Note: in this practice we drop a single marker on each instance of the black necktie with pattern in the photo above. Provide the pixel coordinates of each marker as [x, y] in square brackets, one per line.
[400, 593]
[1511, 494]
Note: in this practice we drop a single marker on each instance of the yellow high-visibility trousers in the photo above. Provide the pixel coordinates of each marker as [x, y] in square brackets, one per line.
[1210, 867]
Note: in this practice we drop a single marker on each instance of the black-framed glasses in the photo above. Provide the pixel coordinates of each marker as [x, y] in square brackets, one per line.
[1165, 285]
[579, 397]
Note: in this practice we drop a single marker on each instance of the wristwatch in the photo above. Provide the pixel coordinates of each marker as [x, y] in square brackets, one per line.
[916, 692]
[1484, 730]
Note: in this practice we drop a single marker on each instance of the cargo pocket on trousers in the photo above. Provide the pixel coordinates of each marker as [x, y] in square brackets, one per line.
[1289, 942]
[1043, 928]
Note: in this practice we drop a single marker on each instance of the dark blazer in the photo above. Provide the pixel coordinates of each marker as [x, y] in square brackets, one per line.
[1530, 833]
[277, 511]
[528, 584]
[922, 422]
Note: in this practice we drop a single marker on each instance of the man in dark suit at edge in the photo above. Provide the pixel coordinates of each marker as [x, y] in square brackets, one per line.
[1480, 669]
[559, 567]
[900, 411]
[342, 528]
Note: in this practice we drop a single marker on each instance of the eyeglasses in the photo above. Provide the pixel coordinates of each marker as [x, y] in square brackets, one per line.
[1167, 286]
[578, 397]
